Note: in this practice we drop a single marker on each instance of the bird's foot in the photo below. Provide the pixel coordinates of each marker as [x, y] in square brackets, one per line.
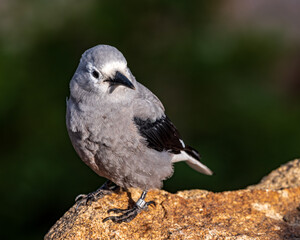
[130, 213]
[85, 199]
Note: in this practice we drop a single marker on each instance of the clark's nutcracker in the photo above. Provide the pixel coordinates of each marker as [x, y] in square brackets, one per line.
[120, 130]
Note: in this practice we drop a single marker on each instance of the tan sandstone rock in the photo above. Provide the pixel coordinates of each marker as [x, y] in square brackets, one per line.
[255, 213]
[286, 176]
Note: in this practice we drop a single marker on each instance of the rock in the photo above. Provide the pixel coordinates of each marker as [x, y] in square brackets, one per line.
[287, 176]
[255, 213]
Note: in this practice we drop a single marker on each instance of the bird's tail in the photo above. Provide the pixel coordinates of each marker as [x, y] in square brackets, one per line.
[192, 152]
[194, 161]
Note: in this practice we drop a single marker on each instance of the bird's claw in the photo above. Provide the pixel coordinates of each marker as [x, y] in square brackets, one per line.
[86, 199]
[150, 203]
[128, 214]
[81, 197]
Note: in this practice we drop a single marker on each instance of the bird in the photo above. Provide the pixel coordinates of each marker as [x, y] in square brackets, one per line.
[119, 128]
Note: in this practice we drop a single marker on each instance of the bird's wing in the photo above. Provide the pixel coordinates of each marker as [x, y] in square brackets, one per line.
[146, 95]
[160, 135]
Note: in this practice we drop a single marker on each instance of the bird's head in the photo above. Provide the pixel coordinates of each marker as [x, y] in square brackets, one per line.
[102, 70]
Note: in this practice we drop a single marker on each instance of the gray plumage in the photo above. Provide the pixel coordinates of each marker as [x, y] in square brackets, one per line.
[111, 124]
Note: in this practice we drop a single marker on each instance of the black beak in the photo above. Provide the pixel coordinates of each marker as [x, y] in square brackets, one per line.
[120, 79]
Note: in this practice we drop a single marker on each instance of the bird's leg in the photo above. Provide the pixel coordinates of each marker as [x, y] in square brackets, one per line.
[130, 213]
[107, 188]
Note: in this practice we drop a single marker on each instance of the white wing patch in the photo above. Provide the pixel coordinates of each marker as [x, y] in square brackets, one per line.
[182, 143]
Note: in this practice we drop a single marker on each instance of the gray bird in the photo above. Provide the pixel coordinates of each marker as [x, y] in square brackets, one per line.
[120, 130]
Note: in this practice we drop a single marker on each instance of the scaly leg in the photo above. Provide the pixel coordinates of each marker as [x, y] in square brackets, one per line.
[130, 213]
[107, 188]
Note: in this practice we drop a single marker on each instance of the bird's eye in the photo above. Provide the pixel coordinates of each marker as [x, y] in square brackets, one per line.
[95, 74]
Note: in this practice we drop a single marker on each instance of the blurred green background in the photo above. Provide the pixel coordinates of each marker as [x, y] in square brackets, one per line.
[228, 73]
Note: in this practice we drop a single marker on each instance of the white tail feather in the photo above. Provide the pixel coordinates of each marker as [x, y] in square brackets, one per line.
[193, 163]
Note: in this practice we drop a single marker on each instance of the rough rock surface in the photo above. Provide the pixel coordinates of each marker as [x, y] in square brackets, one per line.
[287, 176]
[254, 213]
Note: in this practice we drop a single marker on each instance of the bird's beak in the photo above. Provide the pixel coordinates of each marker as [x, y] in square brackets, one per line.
[120, 79]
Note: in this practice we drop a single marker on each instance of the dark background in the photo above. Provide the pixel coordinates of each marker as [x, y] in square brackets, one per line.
[228, 73]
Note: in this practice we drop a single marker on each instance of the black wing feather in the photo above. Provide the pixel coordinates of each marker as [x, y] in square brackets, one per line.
[162, 135]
